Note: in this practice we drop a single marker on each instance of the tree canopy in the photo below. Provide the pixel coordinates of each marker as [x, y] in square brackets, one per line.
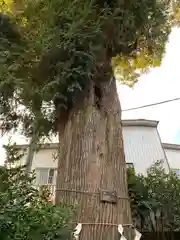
[51, 50]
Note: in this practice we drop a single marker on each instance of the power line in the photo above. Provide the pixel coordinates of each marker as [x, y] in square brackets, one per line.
[150, 105]
[135, 108]
[131, 109]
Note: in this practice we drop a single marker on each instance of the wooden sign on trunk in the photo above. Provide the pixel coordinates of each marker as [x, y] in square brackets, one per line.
[108, 196]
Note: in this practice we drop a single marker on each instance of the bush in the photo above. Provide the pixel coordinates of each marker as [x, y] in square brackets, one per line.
[25, 212]
[155, 199]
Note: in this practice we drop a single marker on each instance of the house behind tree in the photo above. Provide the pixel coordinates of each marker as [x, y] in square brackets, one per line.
[142, 147]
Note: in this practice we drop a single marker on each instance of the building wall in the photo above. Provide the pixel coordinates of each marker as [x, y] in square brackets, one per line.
[173, 155]
[143, 147]
[46, 157]
[44, 160]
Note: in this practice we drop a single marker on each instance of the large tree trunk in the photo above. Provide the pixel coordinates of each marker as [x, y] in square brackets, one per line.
[92, 158]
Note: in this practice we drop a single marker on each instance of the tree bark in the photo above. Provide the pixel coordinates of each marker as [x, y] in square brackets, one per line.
[92, 158]
[31, 149]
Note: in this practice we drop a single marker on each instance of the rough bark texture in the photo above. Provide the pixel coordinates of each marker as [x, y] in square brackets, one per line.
[92, 158]
[30, 153]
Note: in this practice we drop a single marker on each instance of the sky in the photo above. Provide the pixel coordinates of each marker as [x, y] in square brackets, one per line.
[159, 84]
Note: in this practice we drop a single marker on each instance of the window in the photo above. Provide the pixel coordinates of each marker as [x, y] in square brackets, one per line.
[45, 176]
[129, 165]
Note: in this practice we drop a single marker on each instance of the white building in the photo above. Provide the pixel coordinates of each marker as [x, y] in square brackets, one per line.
[142, 146]
[173, 155]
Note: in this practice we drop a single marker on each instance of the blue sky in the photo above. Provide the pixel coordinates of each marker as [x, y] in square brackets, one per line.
[159, 84]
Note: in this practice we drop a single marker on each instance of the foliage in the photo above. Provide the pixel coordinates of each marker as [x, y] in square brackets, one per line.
[51, 50]
[155, 199]
[25, 212]
[138, 193]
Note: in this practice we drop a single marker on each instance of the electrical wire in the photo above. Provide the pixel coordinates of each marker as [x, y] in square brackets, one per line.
[150, 105]
[135, 108]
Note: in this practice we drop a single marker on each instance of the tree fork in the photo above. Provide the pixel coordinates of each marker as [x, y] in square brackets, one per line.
[92, 159]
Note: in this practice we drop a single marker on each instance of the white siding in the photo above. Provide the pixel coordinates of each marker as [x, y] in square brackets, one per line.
[142, 147]
[173, 156]
[44, 158]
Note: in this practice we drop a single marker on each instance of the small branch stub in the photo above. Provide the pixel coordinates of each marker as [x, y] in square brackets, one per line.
[108, 196]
